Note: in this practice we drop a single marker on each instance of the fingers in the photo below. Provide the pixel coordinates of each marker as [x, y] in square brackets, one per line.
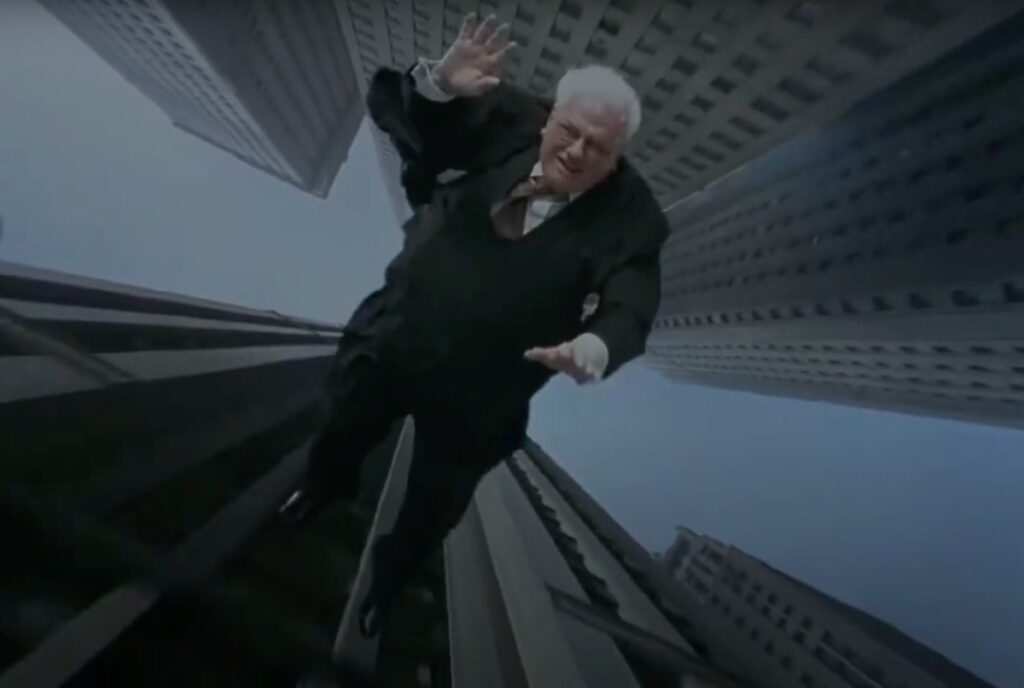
[579, 359]
[468, 26]
[557, 357]
[489, 82]
[486, 29]
[541, 355]
[498, 56]
[498, 39]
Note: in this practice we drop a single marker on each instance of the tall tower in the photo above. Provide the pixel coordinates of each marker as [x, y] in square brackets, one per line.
[721, 82]
[876, 262]
[269, 82]
[552, 591]
[763, 623]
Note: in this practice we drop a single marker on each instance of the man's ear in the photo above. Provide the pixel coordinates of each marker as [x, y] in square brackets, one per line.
[551, 116]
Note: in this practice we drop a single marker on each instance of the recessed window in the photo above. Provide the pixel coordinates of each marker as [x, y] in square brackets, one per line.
[727, 141]
[707, 153]
[745, 125]
[728, 17]
[525, 15]
[799, 90]
[805, 13]
[706, 42]
[868, 43]
[923, 13]
[685, 66]
[772, 110]
[596, 49]
[702, 103]
[961, 297]
[829, 71]
[769, 42]
[571, 8]
[559, 34]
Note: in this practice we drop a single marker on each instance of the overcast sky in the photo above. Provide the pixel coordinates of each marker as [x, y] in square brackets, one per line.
[917, 521]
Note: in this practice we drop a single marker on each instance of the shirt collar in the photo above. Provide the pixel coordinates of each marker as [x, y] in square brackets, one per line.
[537, 172]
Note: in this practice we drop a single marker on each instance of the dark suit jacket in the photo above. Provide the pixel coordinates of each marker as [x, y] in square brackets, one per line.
[487, 132]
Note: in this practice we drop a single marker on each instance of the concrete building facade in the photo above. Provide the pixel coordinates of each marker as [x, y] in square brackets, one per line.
[763, 623]
[808, 259]
[545, 589]
[268, 82]
[721, 82]
[876, 262]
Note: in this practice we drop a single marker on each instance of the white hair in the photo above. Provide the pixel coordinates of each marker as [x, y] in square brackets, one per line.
[605, 85]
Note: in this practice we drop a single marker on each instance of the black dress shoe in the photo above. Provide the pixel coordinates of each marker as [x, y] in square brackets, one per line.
[318, 680]
[371, 618]
[300, 507]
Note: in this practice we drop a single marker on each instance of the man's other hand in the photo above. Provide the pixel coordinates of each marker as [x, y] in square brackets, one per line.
[584, 359]
[473, 62]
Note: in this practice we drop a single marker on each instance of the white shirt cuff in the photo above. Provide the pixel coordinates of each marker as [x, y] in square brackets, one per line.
[591, 354]
[425, 84]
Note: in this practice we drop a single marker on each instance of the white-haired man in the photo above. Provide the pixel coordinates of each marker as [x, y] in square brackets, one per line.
[542, 257]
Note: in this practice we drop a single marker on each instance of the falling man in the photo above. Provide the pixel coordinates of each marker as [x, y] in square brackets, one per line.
[542, 257]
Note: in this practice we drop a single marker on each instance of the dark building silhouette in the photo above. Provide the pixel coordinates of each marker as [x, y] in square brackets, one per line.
[146, 440]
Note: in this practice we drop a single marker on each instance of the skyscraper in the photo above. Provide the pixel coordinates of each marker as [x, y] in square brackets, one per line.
[823, 261]
[876, 262]
[721, 82]
[268, 82]
[546, 589]
[765, 624]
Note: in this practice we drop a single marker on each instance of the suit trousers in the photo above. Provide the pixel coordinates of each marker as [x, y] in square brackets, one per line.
[365, 396]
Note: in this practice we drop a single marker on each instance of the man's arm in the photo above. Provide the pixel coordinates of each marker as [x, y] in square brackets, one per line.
[629, 304]
[618, 331]
[454, 113]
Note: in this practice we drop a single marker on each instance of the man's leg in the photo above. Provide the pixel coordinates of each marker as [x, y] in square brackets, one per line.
[443, 474]
[362, 401]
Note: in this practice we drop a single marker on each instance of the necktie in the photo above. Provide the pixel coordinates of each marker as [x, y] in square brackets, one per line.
[509, 216]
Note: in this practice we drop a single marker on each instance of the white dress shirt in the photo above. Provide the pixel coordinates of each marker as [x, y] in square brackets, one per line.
[588, 350]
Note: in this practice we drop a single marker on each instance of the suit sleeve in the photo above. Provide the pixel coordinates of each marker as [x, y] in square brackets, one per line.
[464, 133]
[630, 297]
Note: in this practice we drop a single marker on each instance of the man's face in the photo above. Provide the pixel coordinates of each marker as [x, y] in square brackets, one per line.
[581, 144]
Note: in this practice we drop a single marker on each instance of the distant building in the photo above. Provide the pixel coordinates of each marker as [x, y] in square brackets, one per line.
[721, 82]
[764, 624]
[877, 262]
[552, 592]
[269, 82]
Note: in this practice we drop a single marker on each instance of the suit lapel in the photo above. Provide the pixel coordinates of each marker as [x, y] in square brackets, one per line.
[498, 184]
[597, 213]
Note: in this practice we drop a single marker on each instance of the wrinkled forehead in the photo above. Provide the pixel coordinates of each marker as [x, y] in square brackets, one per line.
[602, 118]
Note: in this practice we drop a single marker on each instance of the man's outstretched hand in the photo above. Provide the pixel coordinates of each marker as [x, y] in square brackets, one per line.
[473, 62]
[584, 359]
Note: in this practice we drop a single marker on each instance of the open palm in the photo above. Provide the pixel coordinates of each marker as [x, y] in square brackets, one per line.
[473, 62]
